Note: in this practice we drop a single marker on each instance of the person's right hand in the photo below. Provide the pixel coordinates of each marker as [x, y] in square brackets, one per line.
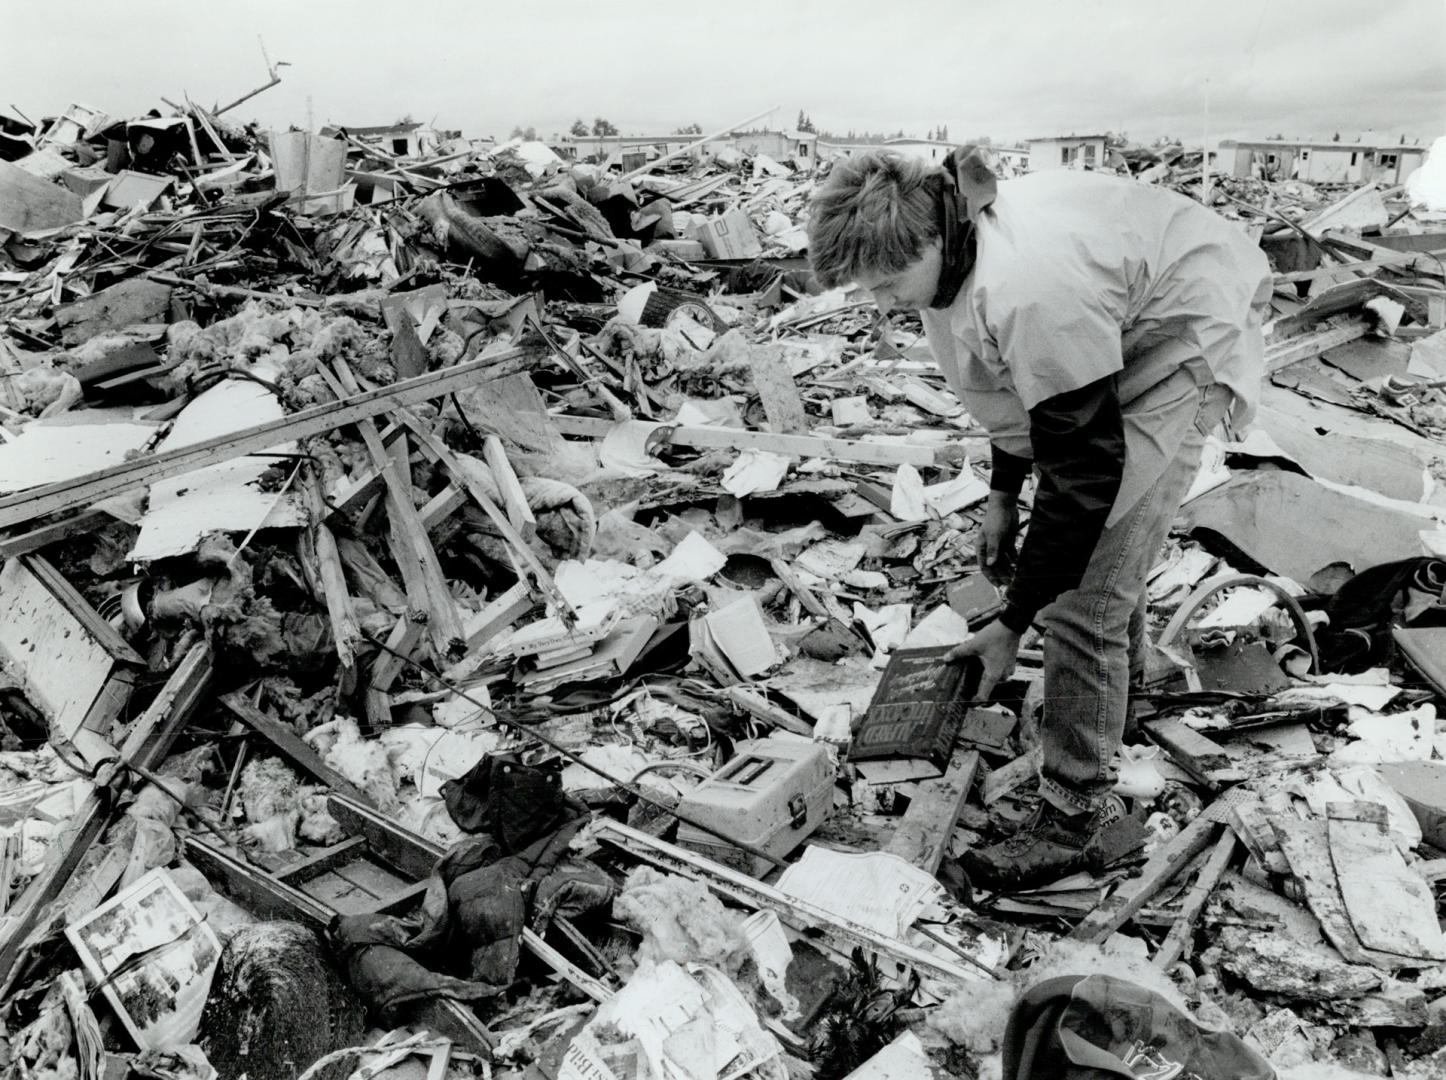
[997, 536]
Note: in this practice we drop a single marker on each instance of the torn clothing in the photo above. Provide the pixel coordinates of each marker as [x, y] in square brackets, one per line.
[1079, 448]
[1080, 276]
[465, 940]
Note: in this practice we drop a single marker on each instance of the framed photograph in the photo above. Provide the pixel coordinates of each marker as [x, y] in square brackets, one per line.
[152, 955]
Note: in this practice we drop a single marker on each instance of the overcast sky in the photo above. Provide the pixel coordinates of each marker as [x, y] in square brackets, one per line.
[1010, 69]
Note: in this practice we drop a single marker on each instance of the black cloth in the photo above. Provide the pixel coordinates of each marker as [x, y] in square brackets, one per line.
[964, 188]
[1079, 448]
[510, 800]
[1092, 1027]
[1007, 472]
[957, 236]
[1366, 608]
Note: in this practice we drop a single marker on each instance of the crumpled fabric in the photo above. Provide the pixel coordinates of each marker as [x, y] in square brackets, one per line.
[1364, 610]
[1098, 1026]
[474, 911]
[515, 803]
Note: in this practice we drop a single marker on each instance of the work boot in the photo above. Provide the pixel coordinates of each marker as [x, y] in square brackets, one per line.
[1049, 846]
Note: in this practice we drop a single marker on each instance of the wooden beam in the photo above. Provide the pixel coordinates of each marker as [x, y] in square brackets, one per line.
[129, 476]
[262, 894]
[404, 638]
[387, 666]
[322, 860]
[290, 745]
[515, 502]
[794, 584]
[1280, 354]
[922, 836]
[320, 544]
[442, 506]
[1214, 869]
[760, 708]
[86, 521]
[442, 454]
[426, 585]
[1200, 756]
[566, 969]
[801, 446]
[1164, 864]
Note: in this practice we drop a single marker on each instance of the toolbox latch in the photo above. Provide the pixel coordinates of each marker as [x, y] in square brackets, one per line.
[798, 807]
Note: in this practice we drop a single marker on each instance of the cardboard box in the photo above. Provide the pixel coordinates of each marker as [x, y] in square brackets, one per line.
[731, 236]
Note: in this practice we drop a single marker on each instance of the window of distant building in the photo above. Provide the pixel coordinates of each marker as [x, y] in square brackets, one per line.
[1067, 154]
[1089, 154]
[1354, 156]
[1387, 161]
[399, 146]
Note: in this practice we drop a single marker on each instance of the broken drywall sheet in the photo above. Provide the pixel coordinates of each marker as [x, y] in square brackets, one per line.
[229, 495]
[70, 445]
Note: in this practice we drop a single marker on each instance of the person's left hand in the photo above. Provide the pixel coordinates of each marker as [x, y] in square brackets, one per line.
[998, 647]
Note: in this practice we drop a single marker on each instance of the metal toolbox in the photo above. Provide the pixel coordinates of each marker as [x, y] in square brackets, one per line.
[771, 795]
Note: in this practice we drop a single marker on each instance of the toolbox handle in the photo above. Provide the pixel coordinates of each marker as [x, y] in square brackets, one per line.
[745, 770]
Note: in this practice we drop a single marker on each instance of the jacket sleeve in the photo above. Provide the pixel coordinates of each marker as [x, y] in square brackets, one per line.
[1007, 472]
[1079, 449]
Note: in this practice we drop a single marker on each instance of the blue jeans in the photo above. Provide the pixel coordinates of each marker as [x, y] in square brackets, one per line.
[1094, 635]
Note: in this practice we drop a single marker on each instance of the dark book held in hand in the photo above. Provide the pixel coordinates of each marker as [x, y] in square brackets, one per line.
[917, 709]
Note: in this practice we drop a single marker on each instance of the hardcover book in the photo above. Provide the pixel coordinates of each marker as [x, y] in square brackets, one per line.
[918, 707]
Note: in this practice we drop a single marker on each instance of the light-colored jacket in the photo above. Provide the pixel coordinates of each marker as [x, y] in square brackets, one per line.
[1082, 275]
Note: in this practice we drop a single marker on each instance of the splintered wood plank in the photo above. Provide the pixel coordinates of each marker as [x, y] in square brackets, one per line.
[773, 379]
[515, 502]
[922, 837]
[321, 545]
[138, 473]
[426, 585]
[1390, 906]
[1202, 757]
[1210, 874]
[443, 456]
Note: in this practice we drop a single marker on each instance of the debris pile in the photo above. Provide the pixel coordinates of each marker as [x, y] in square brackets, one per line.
[471, 591]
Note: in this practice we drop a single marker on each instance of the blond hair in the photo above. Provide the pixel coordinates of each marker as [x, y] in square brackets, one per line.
[875, 213]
